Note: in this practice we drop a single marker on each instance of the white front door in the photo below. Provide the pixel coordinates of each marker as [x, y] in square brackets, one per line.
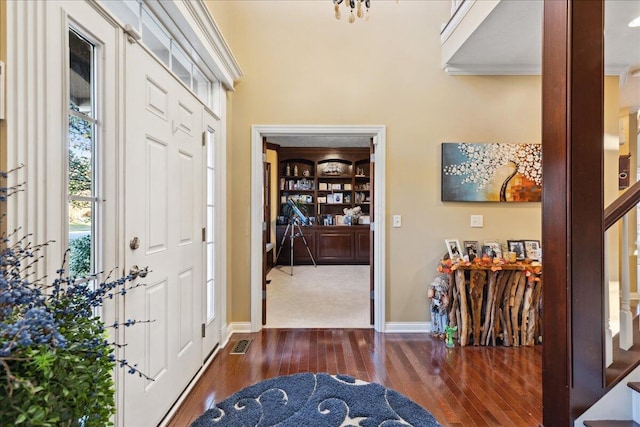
[164, 211]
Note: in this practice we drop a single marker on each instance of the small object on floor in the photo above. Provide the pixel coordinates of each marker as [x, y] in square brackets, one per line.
[450, 332]
[241, 347]
[308, 399]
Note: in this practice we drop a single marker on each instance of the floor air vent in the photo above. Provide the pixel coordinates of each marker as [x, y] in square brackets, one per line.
[241, 347]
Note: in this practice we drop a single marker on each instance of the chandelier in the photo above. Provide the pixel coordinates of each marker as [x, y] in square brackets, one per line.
[352, 4]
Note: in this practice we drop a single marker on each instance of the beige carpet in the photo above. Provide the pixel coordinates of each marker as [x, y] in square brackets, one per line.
[327, 296]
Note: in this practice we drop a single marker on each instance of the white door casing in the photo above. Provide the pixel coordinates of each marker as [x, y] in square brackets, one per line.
[378, 133]
[163, 200]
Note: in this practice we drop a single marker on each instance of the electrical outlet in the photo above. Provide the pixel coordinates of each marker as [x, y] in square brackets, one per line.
[397, 221]
[477, 221]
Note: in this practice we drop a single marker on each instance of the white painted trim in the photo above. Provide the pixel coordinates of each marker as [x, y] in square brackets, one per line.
[239, 327]
[455, 20]
[378, 132]
[492, 69]
[408, 327]
[195, 22]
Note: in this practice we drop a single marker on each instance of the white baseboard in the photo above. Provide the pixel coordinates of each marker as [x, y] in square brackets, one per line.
[407, 327]
[240, 328]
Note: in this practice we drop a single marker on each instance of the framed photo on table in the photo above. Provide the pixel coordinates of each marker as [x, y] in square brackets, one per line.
[517, 246]
[532, 250]
[496, 249]
[471, 249]
[453, 247]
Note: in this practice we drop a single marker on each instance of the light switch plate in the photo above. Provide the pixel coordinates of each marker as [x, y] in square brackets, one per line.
[477, 221]
[397, 220]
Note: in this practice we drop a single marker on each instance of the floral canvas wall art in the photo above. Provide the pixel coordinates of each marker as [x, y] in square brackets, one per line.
[491, 172]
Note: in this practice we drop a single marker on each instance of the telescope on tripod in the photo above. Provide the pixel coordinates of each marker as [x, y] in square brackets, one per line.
[294, 222]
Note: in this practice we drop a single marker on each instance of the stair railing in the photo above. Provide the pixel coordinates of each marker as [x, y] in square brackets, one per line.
[621, 354]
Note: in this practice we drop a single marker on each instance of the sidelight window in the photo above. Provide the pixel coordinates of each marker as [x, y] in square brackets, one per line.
[82, 202]
[210, 234]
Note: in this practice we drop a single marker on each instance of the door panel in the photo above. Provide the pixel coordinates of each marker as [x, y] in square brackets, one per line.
[164, 195]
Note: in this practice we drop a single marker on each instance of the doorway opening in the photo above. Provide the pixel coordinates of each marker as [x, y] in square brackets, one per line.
[374, 133]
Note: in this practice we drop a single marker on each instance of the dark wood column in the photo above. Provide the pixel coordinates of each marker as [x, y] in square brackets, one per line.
[572, 208]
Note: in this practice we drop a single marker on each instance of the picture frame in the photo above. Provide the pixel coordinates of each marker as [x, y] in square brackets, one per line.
[517, 246]
[475, 172]
[487, 252]
[322, 199]
[471, 249]
[495, 246]
[532, 250]
[337, 197]
[322, 186]
[453, 248]
[336, 186]
[330, 198]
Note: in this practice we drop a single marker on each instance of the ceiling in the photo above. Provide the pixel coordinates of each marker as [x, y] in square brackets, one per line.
[329, 141]
[509, 41]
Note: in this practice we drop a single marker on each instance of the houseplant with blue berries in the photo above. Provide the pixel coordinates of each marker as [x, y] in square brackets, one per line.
[56, 356]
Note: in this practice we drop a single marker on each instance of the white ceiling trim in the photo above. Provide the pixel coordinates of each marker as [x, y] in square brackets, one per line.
[492, 70]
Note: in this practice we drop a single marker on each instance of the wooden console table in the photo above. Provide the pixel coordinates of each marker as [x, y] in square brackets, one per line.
[492, 302]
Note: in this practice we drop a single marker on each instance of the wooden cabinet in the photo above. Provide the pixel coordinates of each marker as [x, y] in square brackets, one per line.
[328, 245]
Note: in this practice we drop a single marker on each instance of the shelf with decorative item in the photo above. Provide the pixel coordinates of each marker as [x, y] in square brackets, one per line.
[297, 167]
[335, 168]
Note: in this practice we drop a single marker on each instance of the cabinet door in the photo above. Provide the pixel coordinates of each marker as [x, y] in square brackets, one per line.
[363, 245]
[336, 246]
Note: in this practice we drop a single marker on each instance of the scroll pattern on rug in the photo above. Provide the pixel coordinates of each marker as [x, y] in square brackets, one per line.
[316, 400]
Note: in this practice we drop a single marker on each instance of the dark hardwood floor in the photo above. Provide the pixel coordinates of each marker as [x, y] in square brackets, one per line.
[471, 386]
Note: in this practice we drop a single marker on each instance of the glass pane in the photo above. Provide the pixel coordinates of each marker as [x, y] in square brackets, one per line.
[80, 74]
[181, 65]
[154, 37]
[210, 151]
[210, 223]
[201, 85]
[210, 187]
[128, 11]
[210, 268]
[80, 156]
[80, 238]
[210, 300]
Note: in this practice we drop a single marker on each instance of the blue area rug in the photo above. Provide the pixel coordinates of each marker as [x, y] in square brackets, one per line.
[316, 400]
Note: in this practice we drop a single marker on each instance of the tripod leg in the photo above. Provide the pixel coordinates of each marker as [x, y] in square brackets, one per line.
[306, 245]
[284, 236]
[292, 237]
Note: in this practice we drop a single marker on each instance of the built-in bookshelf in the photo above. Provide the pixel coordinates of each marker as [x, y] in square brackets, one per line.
[325, 180]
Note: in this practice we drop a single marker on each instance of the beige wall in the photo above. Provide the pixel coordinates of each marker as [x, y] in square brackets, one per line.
[301, 66]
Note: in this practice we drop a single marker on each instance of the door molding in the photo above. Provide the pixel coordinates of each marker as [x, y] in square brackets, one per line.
[378, 133]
